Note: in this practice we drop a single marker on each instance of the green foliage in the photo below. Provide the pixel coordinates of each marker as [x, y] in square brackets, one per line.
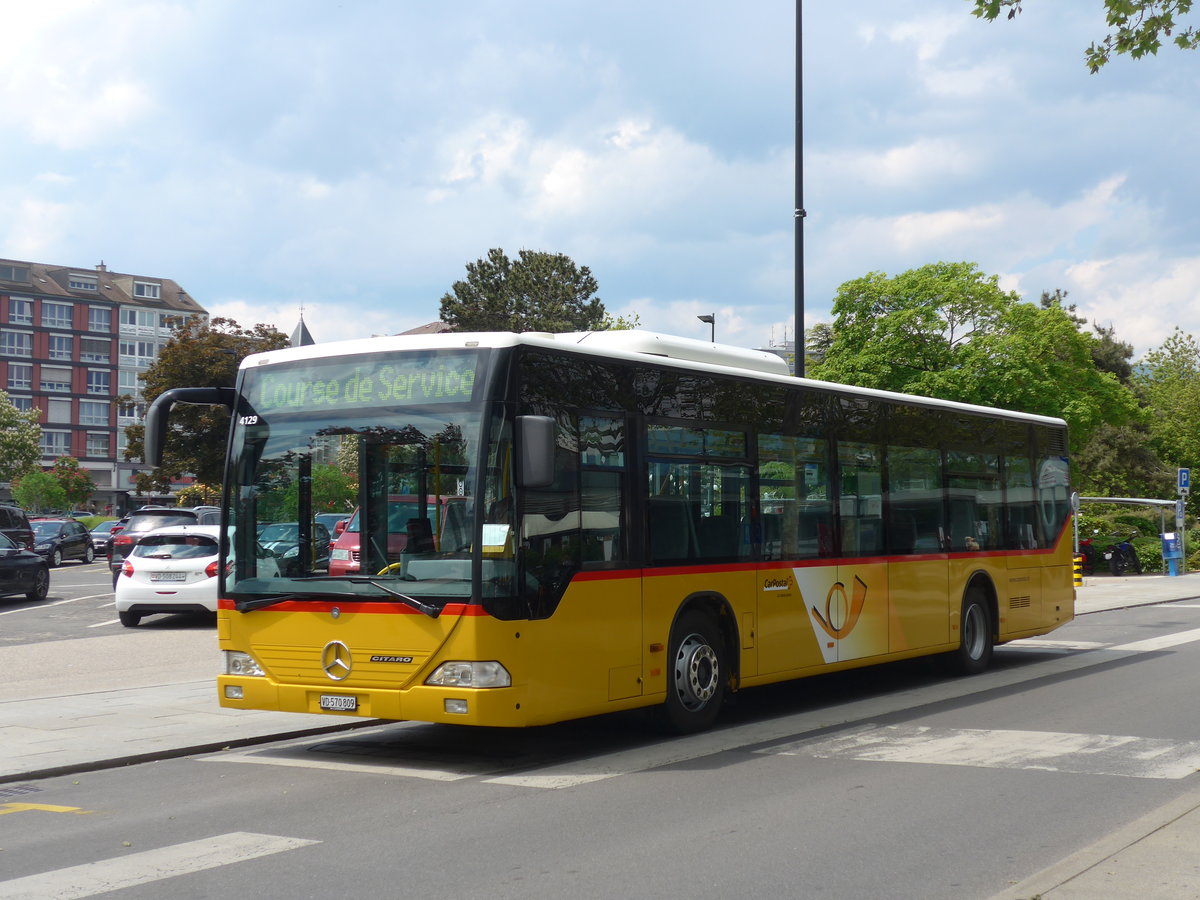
[1138, 26]
[536, 292]
[19, 436]
[200, 354]
[946, 330]
[77, 483]
[39, 492]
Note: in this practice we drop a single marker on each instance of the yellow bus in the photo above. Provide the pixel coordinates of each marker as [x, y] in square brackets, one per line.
[616, 520]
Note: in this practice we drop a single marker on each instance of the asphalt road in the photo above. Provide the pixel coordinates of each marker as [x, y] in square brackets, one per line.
[80, 604]
[890, 782]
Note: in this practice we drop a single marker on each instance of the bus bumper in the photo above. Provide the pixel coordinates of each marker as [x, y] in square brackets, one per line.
[425, 703]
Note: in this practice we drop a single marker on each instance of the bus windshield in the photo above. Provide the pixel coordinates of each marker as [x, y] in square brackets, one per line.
[398, 444]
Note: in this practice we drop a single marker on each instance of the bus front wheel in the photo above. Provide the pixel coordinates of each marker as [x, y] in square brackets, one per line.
[697, 675]
[975, 632]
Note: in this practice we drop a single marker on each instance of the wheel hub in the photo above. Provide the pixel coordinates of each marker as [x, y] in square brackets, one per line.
[697, 673]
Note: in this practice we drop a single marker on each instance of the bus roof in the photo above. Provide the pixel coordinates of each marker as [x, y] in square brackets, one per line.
[632, 345]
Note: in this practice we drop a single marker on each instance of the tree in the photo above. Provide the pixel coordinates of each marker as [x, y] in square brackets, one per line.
[39, 491]
[946, 330]
[1138, 26]
[1169, 380]
[20, 435]
[536, 292]
[199, 354]
[76, 482]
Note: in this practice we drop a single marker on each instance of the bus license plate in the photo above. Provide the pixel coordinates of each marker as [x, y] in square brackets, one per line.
[339, 703]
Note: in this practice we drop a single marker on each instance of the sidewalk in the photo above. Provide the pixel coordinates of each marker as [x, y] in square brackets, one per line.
[85, 704]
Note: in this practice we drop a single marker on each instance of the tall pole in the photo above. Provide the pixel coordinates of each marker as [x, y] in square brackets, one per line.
[798, 337]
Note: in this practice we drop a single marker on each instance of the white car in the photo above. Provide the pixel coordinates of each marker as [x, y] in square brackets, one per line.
[174, 570]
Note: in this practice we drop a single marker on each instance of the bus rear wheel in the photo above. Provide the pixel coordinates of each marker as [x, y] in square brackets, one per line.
[697, 675]
[975, 633]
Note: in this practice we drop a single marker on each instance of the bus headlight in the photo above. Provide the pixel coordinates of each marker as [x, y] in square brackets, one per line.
[488, 674]
[239, 663]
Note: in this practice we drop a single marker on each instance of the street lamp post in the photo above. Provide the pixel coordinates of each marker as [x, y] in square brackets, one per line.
[711, 319]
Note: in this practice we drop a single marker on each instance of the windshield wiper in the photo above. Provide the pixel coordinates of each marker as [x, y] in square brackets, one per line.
[264, 602]
[426, 608]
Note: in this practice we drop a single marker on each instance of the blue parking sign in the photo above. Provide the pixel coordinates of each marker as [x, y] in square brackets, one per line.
[1185, 481]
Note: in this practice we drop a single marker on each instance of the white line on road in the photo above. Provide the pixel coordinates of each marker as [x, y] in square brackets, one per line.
[108, 875]
[1047, 751]
[1160, 643]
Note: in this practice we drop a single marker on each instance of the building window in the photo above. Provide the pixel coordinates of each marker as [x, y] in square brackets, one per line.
[145, 290]
[95, 350]
[20, 312]
[55, 378]
[138, 353]
[129, 382]
[93, 412]
[60, 346]
[55, 443]
[58, 412]
[22, 403]
[16, 343]
[97, 444]
[56, 315]
[99, 319]
[83, 283]
[99, 382]
[20, 377]
[9, 272]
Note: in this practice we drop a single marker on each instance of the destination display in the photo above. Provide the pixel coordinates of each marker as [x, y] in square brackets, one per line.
[333, 385]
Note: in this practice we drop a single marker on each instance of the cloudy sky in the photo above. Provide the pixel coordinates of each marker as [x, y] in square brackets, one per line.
[351, 156]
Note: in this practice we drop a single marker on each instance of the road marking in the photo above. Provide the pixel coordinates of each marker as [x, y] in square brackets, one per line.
[108, 875]
[102, 624]
[1160, 643]
[1047, 751]
[1040, 644]
[39, 807]
[333, 765]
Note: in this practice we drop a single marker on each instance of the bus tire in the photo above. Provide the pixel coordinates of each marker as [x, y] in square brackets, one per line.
[974, 652]
[697, 674]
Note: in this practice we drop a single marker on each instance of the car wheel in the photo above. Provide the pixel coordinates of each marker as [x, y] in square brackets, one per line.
[55, 558]
[129, 619]
[88, 554]
[41, 585]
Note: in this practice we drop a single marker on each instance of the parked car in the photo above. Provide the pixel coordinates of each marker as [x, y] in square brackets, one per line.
[101, 535]
[22, 571]
[141, 522]
[402, 508]
[174, 570]
[58, 539]
[207, 515]
[330, 521]
[283, 540]
[14, 524]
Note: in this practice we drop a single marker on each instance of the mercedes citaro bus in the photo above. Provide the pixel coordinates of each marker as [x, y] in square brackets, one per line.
[640, 521]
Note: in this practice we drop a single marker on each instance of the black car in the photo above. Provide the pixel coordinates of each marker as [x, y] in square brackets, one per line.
[14, 524]
[101, 535]
[141, 522]
[283, 540]
[58, 539]
[22, 572]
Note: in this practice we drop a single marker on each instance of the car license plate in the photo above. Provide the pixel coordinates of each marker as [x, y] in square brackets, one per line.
[168, 576]
[338, 702]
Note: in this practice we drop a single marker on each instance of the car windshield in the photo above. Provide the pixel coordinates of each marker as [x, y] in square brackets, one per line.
[313, 443]
[105, 527]
[174, 546]
[46, 529]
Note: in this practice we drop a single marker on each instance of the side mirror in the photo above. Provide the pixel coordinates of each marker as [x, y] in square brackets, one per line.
[339, 526]
[535, 451]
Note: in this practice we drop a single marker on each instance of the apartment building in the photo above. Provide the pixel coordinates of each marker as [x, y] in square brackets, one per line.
[73, 340]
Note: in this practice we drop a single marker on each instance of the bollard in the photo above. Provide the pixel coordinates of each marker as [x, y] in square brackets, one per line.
[1079, 571]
